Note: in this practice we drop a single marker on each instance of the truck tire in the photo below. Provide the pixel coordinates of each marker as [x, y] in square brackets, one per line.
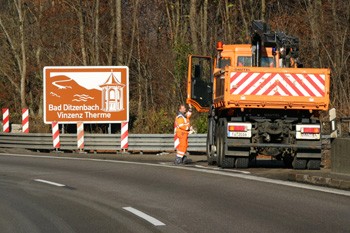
[299, 163]
[314, 164]
[225, 161]
[219, 143]
[242, 162]
[288, 161]
[228, 162]
[210, 153]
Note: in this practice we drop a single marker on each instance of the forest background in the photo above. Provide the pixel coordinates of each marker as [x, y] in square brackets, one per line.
[153, 38]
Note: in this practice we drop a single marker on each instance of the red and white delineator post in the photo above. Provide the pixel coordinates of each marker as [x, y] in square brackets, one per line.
[56, 135]
[80, 134]
[6, 120]
[25, 120]
[176, 139]
[124, 136]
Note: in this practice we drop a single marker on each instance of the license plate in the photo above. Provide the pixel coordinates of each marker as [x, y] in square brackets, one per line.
[238, 134]
[310, 136]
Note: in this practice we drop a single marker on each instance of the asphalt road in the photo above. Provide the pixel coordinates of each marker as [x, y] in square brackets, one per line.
[39, 194]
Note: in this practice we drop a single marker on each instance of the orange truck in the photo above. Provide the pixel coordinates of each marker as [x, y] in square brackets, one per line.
[260, 100]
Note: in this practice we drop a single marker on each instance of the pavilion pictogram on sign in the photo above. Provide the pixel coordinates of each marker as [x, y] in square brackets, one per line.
[112, 94]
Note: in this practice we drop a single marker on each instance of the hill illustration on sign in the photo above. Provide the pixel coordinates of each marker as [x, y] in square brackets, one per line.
[87, 94]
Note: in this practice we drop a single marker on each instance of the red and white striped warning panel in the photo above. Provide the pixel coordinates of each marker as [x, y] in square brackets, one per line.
[80, 134]
[277, 84]
[176, 138]
[6, 120]
[124, 136]
[55, 135]
[25, 121]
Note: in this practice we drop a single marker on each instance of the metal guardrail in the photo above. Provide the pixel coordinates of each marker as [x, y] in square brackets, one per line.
[101, 142]
[109, 142]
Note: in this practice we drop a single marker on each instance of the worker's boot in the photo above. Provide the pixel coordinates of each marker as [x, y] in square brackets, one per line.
[177, 160]
[186, 160]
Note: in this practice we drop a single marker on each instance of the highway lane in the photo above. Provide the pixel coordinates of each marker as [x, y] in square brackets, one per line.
[40, 194]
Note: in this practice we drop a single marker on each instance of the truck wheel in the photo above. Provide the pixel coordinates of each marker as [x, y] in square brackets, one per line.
[210, 153]
[225, 161]
[228, 162]
[219, 144]
[288, 161]
[242, 162]
[299, 163]
[314, 164]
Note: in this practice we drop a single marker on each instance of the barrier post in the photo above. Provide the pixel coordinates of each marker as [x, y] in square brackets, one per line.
[6, 118]
[56, 135]
[333, 120]
[80, 134]
[176, 139]
[25, 121]
[124, 136]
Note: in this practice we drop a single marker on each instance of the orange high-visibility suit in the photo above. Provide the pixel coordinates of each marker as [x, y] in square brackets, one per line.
[182, 124]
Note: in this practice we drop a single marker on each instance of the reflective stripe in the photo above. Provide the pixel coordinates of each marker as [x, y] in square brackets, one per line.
[178, 155]
[182, 125]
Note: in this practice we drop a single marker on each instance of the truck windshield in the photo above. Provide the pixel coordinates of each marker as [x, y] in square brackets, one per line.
[244, 61]
[247, 61]
[223, 62]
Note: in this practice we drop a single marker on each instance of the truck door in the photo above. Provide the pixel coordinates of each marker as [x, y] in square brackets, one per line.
[200, 82]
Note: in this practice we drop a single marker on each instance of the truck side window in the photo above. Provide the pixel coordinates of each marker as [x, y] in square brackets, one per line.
[223, 62]
[244, 61]
[267, 62]
[201, 69]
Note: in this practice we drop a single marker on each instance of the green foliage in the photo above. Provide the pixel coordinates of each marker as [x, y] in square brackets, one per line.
[181, 50]
[154, 122]
[200, 122]
[162, 122]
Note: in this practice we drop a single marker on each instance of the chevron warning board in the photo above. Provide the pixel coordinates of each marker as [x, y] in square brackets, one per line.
[277, 84]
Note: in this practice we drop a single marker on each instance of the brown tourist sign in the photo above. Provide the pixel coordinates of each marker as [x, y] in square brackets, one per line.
[89, 94]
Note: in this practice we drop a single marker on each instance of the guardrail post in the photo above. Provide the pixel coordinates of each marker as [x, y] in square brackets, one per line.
[333, 121]
[25, 120]
[6, 120]
[80, 134]
[176, 139]
[124, 136]
[56, 136]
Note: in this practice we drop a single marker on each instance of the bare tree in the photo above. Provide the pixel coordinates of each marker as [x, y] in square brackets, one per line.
[119, 33]
[134, 18]
[111, 42]
[263, 10]
[193, 25]
[204, 33]
[18, 51]
[97, 21]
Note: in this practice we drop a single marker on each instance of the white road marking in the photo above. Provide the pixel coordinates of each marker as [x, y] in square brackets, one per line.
[49, 182]
[242, 176]
[146, 217]
[219, 169]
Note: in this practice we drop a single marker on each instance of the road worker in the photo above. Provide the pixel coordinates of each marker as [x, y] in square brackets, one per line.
[183, 128]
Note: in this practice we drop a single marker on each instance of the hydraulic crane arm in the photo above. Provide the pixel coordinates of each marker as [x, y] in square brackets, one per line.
[286, 46]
